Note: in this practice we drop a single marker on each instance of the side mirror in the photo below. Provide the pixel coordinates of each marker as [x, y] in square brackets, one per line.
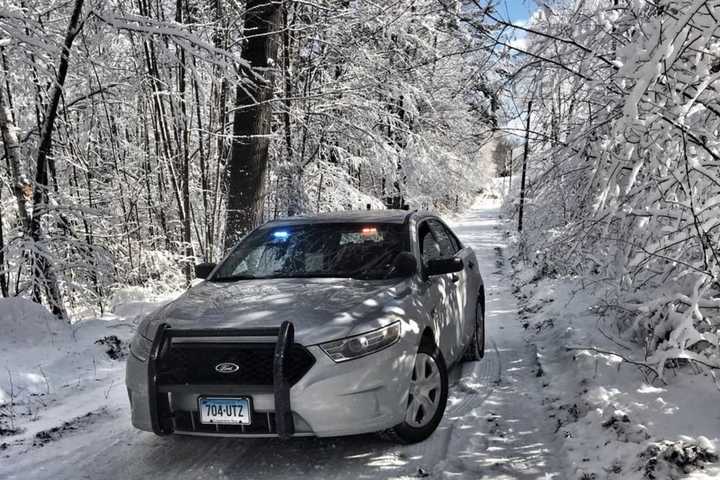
[405, 264]
[203, 270]
[441, 266]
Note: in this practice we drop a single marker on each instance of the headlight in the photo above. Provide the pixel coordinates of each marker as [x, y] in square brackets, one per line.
[361, 345]
[140, 347]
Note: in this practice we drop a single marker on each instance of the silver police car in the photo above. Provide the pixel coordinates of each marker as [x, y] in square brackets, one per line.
[326, 325]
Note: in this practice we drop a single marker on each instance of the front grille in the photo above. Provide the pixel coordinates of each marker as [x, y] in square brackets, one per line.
[194, 363]
[261, 423]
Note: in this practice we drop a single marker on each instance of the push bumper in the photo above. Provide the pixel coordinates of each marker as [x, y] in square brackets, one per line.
[364, 395]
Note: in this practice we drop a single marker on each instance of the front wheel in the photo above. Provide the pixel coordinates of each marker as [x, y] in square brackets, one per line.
[476, 349]
[427, 397]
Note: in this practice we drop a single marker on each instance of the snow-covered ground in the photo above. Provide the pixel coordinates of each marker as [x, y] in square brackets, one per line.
[56, 378]
[530, 410]
[614, 419]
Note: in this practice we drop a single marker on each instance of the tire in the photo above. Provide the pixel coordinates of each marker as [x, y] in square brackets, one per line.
[476, 349]
[416, 426]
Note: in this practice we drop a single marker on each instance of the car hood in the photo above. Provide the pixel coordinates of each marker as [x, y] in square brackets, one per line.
[320, 309]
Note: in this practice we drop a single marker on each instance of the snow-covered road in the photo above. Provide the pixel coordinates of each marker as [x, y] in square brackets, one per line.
[495, 425]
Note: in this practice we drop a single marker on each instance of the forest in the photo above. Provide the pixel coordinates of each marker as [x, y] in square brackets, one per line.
[142, 137]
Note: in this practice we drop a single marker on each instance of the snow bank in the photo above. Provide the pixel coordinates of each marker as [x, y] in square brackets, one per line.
[616, 421]
[132, 303]
[51, 372]
[26, 328]
[23, 322]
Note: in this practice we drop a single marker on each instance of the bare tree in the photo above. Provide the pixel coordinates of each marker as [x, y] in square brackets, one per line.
[43, 267]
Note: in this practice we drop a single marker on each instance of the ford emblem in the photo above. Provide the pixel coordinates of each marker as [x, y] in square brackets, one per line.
[227, 367]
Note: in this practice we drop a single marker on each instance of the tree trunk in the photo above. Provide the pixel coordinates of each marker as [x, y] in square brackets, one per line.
[216, 123]
[251, 122]
[3, 275]
[180, 17]
[293, 168]
[11, 143]
[204, 239]
[21, 185]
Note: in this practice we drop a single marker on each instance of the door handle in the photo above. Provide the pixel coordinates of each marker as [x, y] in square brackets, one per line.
[454, 278]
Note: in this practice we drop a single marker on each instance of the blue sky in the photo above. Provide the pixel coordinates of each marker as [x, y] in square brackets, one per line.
[518, 12]
[516, 9]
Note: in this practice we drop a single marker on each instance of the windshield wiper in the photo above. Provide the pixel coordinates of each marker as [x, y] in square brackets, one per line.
[306, 275]
[232, 278]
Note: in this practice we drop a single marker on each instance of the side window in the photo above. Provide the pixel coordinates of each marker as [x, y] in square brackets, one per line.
[429, 247]
[457, 246]
[456, 241]
[444, 238]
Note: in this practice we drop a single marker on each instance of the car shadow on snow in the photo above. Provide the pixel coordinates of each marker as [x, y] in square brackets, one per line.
[356, 456]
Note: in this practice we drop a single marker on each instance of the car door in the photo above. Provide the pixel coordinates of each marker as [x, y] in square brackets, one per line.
[455, 286]
[434, 291]
[472, 284]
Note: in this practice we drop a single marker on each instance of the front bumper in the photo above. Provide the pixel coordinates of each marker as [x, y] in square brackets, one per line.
[364, 395]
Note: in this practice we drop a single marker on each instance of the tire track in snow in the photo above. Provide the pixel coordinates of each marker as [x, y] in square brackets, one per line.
[473, 384]
[508, 435]
[478, 380]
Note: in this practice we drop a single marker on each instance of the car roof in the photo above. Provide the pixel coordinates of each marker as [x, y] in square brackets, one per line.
[350, 216]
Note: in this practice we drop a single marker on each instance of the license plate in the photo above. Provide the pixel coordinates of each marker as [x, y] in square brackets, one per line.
[224, 411]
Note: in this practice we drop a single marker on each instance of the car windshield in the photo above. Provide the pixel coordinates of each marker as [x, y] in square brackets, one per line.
[350, 250]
